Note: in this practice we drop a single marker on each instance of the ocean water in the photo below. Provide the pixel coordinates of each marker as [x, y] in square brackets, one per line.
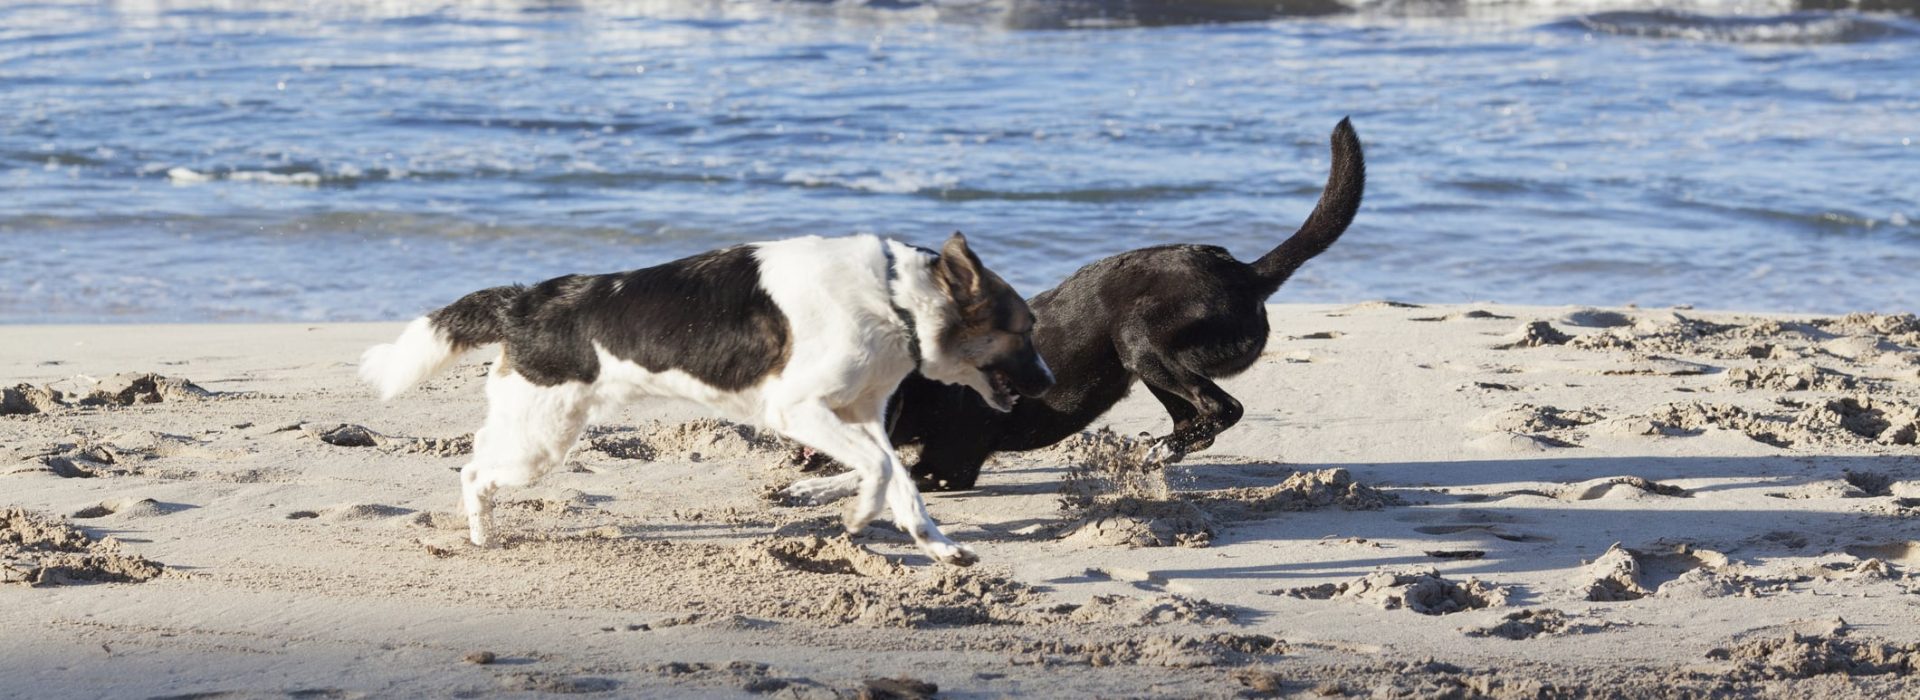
[352, 160]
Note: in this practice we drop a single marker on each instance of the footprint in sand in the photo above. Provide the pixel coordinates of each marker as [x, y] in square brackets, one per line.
[128, 508]
[1475, 523]
[1849, 485]
[1505, 442]
[1141, 579]
[1495, 531]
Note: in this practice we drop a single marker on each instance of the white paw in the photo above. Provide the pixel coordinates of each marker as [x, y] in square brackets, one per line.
[820, 491]
[952, 554]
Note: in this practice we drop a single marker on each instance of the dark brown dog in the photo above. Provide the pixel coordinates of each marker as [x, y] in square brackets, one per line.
[1174, 317]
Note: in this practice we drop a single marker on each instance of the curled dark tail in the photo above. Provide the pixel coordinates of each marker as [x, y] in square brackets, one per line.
[1339, 201]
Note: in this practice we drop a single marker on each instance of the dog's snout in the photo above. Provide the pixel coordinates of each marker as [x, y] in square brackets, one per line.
[1035, 378]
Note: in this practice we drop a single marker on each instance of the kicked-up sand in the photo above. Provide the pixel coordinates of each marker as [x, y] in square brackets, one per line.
[1455, 501]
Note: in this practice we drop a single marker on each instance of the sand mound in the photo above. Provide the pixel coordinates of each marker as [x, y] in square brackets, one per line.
[1172, 651]
[1858, 340]
[1858, 418]
[343, 434]
[1668, 332]
[1141, 522]
[694, 441]
[1424, 592]
[1693, 418]
[38, 550]
[1133, 611]
[553, 501]
[1529, 428]
[1677, 571]
[553, 683]
[1533, 622]
[1529, 418]
[1656, 366]
[118, 390]
[85, 455]
[353, 512]
[1848, 421]
[435, 446]
[353, 435]
[1802, 377]
[1809, 654]
[70, 460]
[1119, 491]
[23, 399]
[126, 508]
[1850, 568]
[1904, 328]
[1301, 491]
[744, 676]
[1596, 318]
[137, 387]
[901, 688]
[1618, 487]
[136, 445]
[818, 555]
[1468, 315]
[1533, 335]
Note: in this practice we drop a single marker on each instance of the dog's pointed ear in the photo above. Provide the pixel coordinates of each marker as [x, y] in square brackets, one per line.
[960, 269]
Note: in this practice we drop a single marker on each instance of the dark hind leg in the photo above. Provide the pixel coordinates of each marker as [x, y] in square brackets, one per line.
[1200, 409]
[1178, 409]
[951, 460]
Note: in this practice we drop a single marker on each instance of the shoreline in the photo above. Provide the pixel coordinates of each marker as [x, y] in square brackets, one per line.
[1758, 471]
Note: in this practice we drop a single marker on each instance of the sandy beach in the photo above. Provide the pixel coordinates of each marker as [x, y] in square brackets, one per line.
[1463, 501]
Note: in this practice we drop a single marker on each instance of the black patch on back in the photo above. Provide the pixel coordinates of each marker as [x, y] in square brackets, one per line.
[705, 315]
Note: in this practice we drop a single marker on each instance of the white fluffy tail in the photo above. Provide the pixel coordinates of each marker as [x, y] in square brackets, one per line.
[420, 352]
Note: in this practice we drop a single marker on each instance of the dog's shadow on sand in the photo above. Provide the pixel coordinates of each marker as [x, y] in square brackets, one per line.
[1508, 516]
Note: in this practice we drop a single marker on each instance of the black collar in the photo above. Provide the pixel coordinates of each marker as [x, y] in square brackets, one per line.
[906, 318]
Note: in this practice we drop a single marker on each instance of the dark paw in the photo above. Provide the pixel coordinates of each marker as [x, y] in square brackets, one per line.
[808, 460]
[934, 484]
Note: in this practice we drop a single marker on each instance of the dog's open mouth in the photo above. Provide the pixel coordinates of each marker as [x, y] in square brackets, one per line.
[1003, 397]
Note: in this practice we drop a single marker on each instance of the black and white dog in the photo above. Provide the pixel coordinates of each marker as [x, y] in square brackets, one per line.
[808, 337]
[1174, 317]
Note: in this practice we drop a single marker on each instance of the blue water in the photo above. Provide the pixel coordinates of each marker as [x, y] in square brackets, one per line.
[184, 161]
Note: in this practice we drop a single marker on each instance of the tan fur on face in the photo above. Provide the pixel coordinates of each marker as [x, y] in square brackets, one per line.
[994, 321]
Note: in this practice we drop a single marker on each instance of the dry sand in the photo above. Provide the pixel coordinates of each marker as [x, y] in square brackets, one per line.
[1421, 501]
